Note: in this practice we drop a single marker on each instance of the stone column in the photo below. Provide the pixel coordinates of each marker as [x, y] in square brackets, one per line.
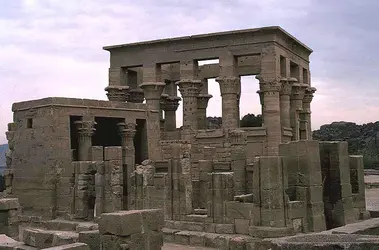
[117, 89]
[161, 118]
[297, 96]
[285, 103]
[271, 114]
[260, 93]
[189, 89]
[202, 104]
[152, 92]
[308, 97]
[170, 105]
[229, 88]
[85, 130]
[127, 132]
[238, 160]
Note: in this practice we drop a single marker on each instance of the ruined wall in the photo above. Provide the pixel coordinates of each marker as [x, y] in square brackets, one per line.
[41, 161]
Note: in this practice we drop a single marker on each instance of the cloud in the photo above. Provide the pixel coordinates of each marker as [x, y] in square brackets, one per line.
[53, 48]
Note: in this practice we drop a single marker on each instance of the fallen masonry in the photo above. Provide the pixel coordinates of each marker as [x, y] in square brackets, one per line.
[119, 174]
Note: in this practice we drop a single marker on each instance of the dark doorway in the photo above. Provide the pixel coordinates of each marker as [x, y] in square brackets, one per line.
[74, 137]
[106, 133]
[140, 141]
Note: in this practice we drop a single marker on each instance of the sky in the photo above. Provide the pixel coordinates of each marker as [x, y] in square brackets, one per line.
[54, 47]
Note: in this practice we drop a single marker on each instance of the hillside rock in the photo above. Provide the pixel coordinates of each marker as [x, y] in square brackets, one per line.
[362, 139]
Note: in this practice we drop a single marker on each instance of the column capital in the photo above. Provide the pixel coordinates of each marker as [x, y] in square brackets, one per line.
[170, 103]
[260, 93]
[136, 95]
[202, 101]
[152, 90]
[308, 95]
[298, 91]
[229, 85]
[237, 137]
[269, 86]
[117, 93]
[85, 128]
[189, 88]
[127, 130]
[286, 87]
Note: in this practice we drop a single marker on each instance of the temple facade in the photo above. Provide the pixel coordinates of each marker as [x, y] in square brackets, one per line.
[78, 158]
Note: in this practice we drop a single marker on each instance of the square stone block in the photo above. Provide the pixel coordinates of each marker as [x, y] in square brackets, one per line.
[112, 153]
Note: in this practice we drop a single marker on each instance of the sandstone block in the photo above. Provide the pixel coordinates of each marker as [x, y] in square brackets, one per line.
[91, 238]
[73, 246]
[9, 203]
[112, 153]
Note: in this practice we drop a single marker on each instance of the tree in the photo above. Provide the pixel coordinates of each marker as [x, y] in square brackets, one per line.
[251, 120]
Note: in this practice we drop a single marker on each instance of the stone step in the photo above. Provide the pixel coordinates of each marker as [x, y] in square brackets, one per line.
[42, 238]
[200, 211]
[66, 225]
[212, 240]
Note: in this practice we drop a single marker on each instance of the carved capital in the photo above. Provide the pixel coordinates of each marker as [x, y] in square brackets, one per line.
[202, 101]
[286, 87]
[170, 103]
[127, 130]
[117, 93]
[152, 90]
[308, 95]
[136, 96]
[189, 88]
[298, 91]
[269, 86]
[85, 128]
[261, 99]
[229, 85]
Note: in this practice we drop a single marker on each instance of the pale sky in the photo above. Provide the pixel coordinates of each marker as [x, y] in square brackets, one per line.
[54, 47]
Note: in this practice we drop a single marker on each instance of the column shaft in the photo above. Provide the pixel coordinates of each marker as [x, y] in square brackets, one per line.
[170, 104]
[308, 97]
[202, 104]
[271, 114]
[285, 103]
[297, 96]
[229, 88]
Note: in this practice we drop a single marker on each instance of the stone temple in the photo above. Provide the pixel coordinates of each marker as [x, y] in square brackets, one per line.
[74, 163]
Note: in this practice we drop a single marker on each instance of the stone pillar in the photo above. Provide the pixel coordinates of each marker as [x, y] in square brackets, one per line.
[229, 88]
[152, 92]
[170, 105]
[297, 96]
[285, 103]
[202, 104]
[271, 114]
[189, 89]
[260, 93]
[127, 132]
[308, 96]
[238, 160]
[10, 212]
[161, 118]
[85, 130]
[8, 173]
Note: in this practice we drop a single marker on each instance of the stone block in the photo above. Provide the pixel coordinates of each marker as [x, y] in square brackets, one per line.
[239, 210]
[114, 242]
[224, 228]
[124, 223]
[73, 246]
[112, 153]
[182, 237]
[121, 223]
[97, 153]
[241, 226]
[91, 238]
[9, 203]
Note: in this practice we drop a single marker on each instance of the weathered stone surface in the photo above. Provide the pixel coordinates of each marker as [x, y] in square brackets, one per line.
[74, 246]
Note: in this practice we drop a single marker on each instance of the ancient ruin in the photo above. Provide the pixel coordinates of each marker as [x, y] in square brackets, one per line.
[76, 159]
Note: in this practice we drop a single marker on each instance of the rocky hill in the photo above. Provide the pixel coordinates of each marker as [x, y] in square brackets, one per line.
[362, 139]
